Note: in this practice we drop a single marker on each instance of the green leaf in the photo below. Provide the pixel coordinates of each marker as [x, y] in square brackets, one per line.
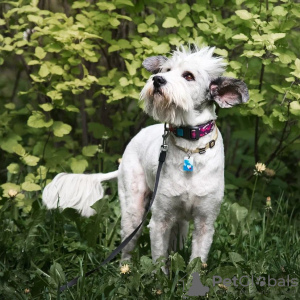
[46, 106]
[240, 37]
[124, 3]
[142, 28]
[146, 265]
[30, 160]
[60, 129]
[90, 150]
[19, 150]
[295, 108]
[106, 6]
[54, 95]
[35, 19]
[13, 168]
[57, 275]
[30, 186]
[161, 48]
[80, 4]
[72, 108]
[114, 22]
[40, 53]
[170, 22]
[178, 262]
[44, 70]
[150, 19]
[37, 120]
[56, 70]
[235, 257]
[244, 14]
[78, 165]
[279, 11]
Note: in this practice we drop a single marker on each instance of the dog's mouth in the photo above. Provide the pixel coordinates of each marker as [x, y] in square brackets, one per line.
[158, 91]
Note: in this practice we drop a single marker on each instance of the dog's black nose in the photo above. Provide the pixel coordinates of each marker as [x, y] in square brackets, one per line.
[158, 81]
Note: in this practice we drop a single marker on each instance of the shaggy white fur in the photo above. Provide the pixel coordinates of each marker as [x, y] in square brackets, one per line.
[180, 92]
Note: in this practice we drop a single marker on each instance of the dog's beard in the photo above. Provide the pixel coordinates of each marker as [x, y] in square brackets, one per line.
[164, 104]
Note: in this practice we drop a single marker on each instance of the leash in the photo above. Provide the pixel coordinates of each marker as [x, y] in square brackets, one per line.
[114, 253]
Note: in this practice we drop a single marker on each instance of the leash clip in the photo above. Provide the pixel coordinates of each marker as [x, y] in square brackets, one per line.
[164, 146]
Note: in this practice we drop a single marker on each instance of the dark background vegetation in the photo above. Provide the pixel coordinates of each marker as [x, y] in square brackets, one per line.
[70, 78]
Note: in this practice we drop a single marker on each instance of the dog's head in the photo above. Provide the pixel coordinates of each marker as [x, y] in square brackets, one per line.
[183, 85]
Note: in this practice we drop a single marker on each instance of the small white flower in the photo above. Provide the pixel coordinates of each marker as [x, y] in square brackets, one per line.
[12, 193]
[124, 269]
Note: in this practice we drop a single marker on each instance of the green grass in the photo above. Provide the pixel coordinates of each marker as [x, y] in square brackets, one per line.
[44, 249]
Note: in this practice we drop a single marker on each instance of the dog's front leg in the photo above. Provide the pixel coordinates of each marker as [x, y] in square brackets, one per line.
[160, 230]
[203, 233]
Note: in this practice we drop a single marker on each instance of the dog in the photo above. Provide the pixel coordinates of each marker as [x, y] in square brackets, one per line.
[181, 92]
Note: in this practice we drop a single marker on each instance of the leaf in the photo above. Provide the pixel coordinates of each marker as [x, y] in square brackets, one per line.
[19, 150]
[57, 275]
[54, 95]
[150, 19]
[40, 53]
[240, 211]
[170, 22]
[279, 11]
[146, 265]
[235, 257]
[141, 29]
[90, 150]
[37, 120]
[46, 106]
[78, 165]
[9, 142]
[178, 262]
[244, 14]
[56, 70]
[106, 6]
[72, 108]
[295, 108]
[13, 168]
[30, 186]
[124, 2]
[60, 129]
[240, 37]
[44, 70]
[161, 48]
[30, 160]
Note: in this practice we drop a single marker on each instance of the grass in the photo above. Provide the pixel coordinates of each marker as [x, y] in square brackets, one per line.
[41, 250]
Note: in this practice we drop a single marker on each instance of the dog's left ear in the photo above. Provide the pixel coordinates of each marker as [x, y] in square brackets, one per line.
[228, 92]
[153, 64]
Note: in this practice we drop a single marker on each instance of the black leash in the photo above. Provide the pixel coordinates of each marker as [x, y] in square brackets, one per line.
[114, 253]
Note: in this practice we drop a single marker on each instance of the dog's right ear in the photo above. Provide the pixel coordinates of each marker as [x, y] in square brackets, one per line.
[153, 64]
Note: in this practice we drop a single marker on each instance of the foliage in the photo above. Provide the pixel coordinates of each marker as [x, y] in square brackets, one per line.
[42, 250]
[70, 80]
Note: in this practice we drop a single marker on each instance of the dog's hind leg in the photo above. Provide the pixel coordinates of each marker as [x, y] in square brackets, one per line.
[134, 195]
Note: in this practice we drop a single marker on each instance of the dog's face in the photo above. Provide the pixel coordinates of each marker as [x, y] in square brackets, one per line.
[183, 85]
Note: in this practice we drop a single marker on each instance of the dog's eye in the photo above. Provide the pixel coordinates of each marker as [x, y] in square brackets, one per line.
[168, 70]
[188, 76]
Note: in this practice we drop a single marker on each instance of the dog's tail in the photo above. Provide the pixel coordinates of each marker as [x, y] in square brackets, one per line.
[79, 191]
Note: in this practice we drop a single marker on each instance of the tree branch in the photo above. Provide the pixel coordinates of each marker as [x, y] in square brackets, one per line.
[275, 152]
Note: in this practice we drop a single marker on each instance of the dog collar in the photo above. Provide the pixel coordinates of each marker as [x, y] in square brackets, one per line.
[209, 145]
[193, 132]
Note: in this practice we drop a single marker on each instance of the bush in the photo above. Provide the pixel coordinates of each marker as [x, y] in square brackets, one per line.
[71, 76]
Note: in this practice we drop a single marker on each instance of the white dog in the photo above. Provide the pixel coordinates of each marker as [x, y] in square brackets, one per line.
[181, 92]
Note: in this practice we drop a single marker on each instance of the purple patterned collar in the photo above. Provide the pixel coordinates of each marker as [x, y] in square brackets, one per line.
[193, 132]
